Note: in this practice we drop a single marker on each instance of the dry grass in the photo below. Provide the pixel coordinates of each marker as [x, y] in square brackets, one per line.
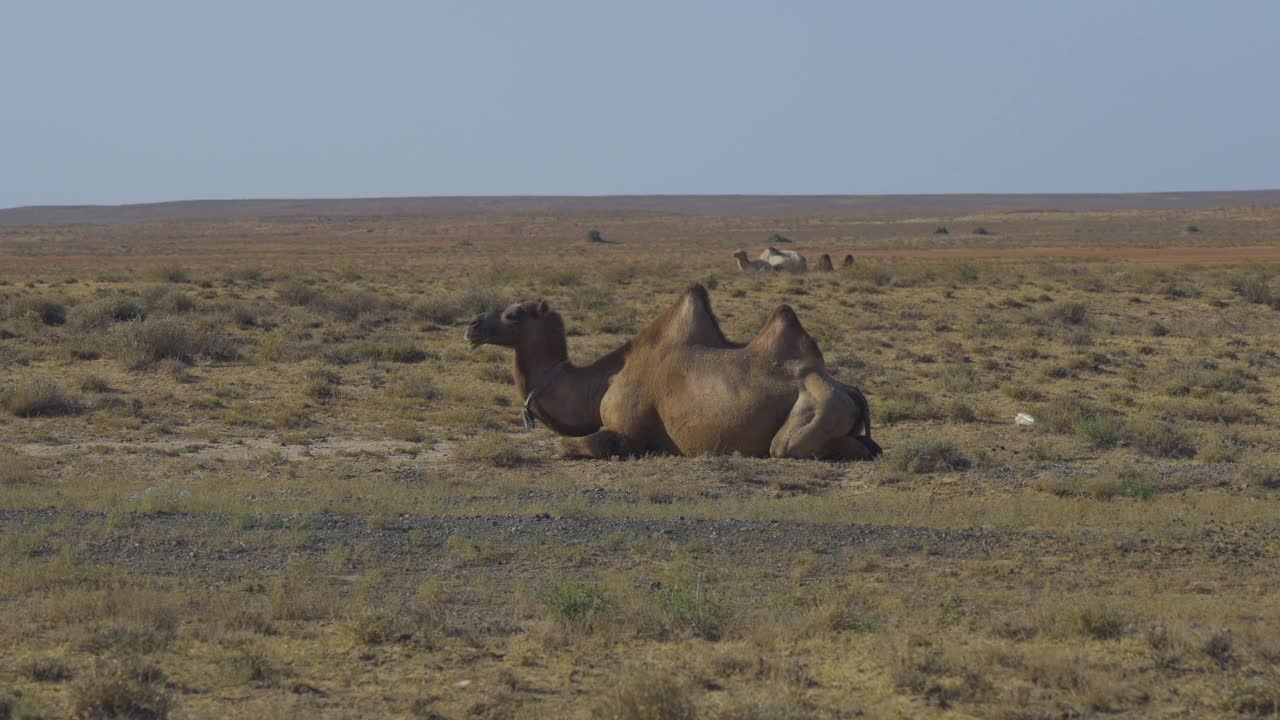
[317, 499]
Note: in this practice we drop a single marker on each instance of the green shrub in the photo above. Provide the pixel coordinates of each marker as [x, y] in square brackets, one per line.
[689, 606]
[925, 455]
[1100, 431]
[399, 351]
[575, 601]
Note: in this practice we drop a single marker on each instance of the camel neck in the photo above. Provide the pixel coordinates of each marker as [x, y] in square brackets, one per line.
[565, 397]
[533, 364]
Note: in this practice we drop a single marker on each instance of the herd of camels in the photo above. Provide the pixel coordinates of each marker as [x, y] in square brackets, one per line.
[774, 259]
[681, 387]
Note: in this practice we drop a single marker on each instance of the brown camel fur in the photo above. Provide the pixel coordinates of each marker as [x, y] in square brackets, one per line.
[571, 400]
[564, 396]
[747, 265]
[770, 397]
[824, 263]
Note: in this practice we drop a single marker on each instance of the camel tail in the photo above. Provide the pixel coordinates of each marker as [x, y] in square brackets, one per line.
[865, 409]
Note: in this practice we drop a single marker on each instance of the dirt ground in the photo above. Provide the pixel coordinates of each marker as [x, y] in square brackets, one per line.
[251, 466]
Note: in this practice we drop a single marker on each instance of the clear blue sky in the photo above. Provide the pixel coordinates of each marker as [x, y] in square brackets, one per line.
[112, 102]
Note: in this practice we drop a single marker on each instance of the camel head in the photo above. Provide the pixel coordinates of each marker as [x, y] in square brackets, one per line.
[740, 255]
[514, 324]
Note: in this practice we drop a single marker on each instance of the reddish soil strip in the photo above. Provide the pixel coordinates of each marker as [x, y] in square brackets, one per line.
[1184, 255]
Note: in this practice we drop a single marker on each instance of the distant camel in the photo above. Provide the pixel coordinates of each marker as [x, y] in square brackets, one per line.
[824, 263]
[683, 388]
[848, 261]
[746, 265]
[788, 260]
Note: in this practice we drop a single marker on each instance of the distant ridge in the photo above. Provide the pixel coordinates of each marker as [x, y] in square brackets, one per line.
[700, 205]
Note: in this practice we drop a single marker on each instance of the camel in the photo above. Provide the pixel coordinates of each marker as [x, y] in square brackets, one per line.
[788, 260]
[564, 396]
[746, 265]
[848, 261]
[824, 263]
[793, 408]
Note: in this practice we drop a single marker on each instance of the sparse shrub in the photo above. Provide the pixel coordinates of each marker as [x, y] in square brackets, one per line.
[925, 455]
[399, 351]
[321, 383]
[961, 411]
[1220, 647]
[15, 471]
[295, 292]
[594, 236]
[1062, 413]
[405, 431]
[478, 301]
[167, 300]
[100, 314]
[372, 626]
[1100, 620]
[778, 239]
[1102, 431]
[1259, 476]
[140, 344]
[903, 404]
[1257, 697]
[1067, 313]
[41, 310]
[167, 273]
[649, 694]
[575, 601]
[49, 670]
[689, 606]
[345, 305]
[419, 386]
[251, 667]
[1255, 287]
[941, 230]
[439, 309]
[493, 448]
[120, 689]
[980, 230]
[37, 397]
[1023, 393]
[1161, 439]
[1193, 229]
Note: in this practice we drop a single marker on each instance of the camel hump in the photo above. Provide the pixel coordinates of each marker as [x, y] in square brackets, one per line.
[698, 294]
[783, 338]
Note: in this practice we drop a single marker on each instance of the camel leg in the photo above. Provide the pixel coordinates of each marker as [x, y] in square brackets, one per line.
[601, 445]
[819, 424]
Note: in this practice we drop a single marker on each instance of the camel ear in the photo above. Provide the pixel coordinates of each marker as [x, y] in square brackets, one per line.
[543, 307]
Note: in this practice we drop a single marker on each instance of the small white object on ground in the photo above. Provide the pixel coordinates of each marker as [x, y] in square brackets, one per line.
[1023, 419]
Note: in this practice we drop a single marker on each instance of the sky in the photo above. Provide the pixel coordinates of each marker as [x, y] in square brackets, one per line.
[131, 101]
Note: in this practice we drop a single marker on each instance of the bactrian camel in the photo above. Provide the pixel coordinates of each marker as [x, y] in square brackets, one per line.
[746, 265]
[788, 260]
[681, 387]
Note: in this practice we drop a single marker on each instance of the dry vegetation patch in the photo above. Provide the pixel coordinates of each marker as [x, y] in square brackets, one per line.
[232, 488]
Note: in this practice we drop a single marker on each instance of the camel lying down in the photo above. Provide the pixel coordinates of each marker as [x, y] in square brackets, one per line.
[681, 387]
